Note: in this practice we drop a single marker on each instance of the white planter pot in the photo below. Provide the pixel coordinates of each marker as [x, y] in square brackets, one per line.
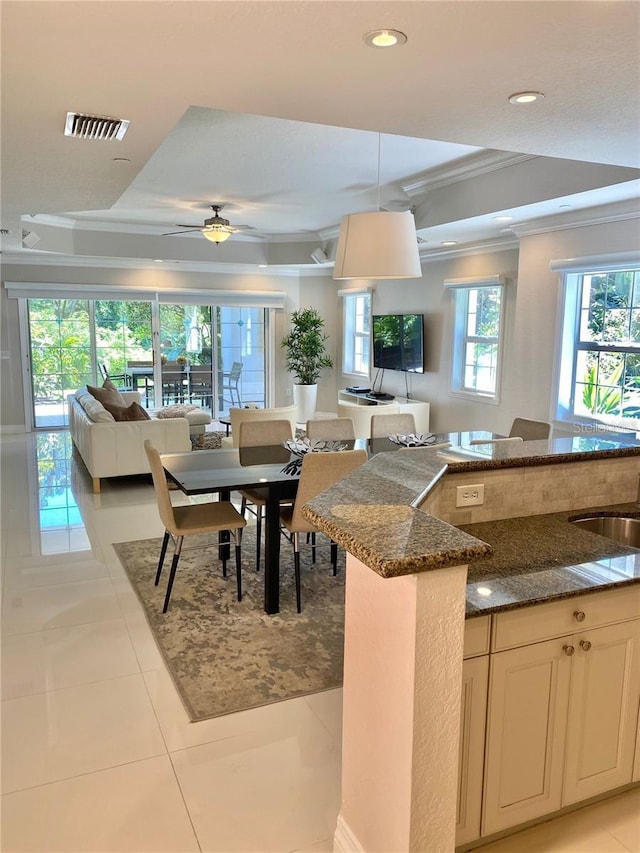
[305, 396]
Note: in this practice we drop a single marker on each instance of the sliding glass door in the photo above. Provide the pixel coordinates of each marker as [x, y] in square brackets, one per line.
[60, 344]
[204, 355]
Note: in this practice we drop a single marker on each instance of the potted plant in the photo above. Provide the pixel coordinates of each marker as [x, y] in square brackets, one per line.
[307, 357]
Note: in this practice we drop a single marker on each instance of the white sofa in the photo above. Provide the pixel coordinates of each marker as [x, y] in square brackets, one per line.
[112, 448]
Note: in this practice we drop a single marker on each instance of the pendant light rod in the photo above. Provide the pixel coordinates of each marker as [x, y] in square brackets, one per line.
[379, 148]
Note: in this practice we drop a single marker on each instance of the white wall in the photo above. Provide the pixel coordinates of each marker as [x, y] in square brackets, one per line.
[427, 296]
[530, 327]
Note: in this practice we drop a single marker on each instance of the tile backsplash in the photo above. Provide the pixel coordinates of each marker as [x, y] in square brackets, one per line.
[534, 490]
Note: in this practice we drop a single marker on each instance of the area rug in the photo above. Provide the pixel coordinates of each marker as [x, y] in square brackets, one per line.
[225, 655]
[211, 441]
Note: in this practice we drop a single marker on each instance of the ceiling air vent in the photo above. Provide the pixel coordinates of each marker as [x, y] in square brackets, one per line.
[83, 126]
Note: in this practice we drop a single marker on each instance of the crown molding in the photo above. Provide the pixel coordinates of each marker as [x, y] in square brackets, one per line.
[39, 259]
[480, 248]
[463, 169]
[617, 212]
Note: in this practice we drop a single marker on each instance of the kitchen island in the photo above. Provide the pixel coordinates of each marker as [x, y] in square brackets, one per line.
[418, 569]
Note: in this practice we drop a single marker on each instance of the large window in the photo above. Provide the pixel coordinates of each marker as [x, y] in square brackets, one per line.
[356, 343]
[600, 361]
[477, 339]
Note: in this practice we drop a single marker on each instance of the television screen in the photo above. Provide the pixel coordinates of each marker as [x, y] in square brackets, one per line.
[398, 342]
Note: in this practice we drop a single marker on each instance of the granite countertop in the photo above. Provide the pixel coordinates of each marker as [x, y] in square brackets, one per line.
[544, 557]
[373, 511]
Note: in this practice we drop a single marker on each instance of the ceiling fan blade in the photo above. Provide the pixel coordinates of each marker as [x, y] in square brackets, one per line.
[188, 227]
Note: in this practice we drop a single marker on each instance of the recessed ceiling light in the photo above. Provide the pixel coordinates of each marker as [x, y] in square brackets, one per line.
[384, 38]
[262, 266]
[525, 97]
[158, 261]
[449, 243]
[503, 218]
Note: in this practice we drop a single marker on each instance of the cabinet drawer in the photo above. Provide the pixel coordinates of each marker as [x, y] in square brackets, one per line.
[476, 636]
[557, 618]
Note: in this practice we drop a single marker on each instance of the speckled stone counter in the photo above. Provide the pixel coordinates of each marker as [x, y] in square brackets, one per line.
[372, 512]
[544, 557]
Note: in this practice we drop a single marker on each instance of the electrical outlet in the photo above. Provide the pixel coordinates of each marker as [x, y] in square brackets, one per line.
[470, 495]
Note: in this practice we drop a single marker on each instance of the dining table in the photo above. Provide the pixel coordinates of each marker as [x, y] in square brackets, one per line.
[276, 469]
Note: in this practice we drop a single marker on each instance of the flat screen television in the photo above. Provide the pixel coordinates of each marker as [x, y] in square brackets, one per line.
[398, 342]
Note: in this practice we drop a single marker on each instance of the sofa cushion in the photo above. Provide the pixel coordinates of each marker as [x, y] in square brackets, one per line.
[134, 412]
[107, 394]
[179, 410]
[93, 408]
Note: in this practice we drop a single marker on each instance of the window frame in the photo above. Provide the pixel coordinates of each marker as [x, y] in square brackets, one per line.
[570, 344]
[461, 290]
[350, 334]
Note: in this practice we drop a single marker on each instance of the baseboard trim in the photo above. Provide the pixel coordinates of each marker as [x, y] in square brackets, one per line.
[344, 841]
[12, 428]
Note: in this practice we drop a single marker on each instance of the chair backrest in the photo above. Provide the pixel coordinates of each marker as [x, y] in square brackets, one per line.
[264, 433]
[320, 471]
[383, 425]
[238, 416]
[103, 371]
[236, 370]
[340, 429]
[361, 416]
[514, 439]
[529, 430]
[160, 487]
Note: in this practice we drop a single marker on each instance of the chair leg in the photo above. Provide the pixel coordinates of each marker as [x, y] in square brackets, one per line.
[238, 564]
[258, 535]
[296, 569]
[313, 547]
[243, 507]
[163, 552]
[334, 557]
[174, 566]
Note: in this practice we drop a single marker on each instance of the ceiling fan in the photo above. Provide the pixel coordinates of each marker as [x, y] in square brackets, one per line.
[215, 228]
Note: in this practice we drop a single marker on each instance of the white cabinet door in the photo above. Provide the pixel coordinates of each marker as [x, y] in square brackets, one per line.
[526, 727]
[603, 710]
[475, 677]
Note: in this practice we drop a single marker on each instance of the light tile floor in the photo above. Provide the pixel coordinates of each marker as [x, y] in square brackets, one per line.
[98, 754]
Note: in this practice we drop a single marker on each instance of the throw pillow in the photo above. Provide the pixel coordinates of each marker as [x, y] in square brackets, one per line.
[179, 410]
[134, 412]
[107, 394]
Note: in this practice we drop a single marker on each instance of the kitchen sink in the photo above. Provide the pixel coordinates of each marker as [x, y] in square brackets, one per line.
[626, 531]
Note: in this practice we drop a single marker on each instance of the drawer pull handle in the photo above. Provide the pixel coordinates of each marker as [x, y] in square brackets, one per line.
[580, 615]
[585, 645]
[568, 650]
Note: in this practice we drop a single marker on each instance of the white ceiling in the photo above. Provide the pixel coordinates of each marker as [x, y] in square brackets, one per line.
[274, 109]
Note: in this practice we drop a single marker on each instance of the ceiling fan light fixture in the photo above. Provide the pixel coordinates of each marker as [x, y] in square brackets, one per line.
[384, 38]
[216, 233]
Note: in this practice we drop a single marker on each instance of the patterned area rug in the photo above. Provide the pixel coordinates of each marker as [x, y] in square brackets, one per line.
[212, 441]
[225, 655]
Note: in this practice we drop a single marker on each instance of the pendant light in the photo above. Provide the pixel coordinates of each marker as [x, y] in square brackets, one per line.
[377, 245]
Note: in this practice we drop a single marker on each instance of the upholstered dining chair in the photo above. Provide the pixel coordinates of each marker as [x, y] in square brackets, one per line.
[319, 471]
[529, 430]
[384, 425]
[190, 520]
[339, 429]
[260, 434]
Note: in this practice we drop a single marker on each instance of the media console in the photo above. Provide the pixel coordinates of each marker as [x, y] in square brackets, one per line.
[364, 406]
